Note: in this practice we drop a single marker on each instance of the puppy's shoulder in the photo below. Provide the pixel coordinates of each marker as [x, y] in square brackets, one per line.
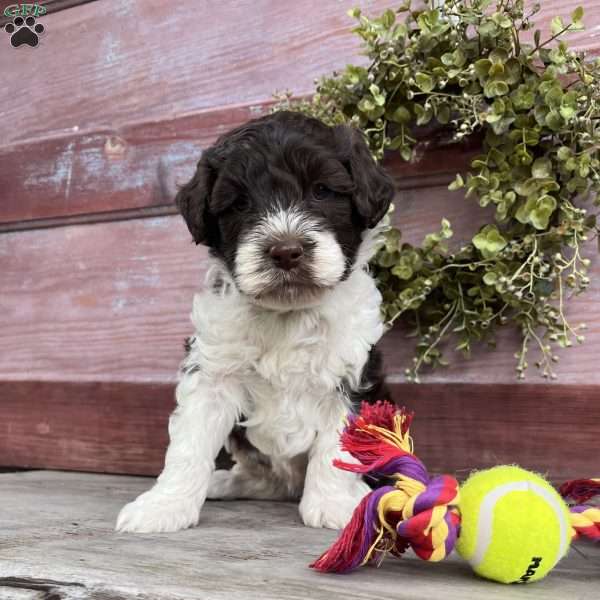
[219, 315]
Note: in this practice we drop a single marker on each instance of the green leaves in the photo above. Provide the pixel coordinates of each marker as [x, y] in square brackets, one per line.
[495, 88]
[534, 110]
[435, 240]
[431, 24]
[424, 115]
[577, 19]
[542, 168]
[377, 95]
[372, 106]
[424, 82]
[577, 14]
[489, 241]
[490, 278]
[356, 75]
[458, 183]
[388, 18]
[400, 114]
[457, 58]
[523, 97]
[482, 67]
[537, 211]
[557, 25]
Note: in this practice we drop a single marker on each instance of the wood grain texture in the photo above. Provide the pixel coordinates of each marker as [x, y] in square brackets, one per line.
[110, 301]
[543, 427]
[120, 62]
[109, 170]
[59, 526]
[100, 302]
[122, 427]
[84, 427]
[92, 316]
[105, 175]
[120, 127]
[108, 67]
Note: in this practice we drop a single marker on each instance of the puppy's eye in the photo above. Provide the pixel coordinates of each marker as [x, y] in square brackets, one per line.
[321, 191]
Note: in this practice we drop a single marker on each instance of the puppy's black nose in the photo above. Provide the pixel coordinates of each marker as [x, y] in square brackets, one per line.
[287, 254]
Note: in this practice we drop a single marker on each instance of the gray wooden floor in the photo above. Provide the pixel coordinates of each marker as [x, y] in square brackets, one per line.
[57, 543]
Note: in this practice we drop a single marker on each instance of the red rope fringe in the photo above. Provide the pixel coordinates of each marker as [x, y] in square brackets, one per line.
[580, 490]
[342, 554]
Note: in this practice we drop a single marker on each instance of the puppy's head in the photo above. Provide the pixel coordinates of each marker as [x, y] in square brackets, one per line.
[284, 201]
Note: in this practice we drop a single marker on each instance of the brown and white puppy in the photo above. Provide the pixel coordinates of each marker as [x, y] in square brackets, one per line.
[284, 332]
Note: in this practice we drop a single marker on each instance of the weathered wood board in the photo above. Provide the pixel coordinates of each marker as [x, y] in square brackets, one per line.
[110, 301]
[58, 542]
[123, 73]
[116, 98]
[122, 427]
[121, 112]
[92, 315]
[92, 319]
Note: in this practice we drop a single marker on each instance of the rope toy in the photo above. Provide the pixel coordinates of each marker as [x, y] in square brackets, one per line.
[428, 513]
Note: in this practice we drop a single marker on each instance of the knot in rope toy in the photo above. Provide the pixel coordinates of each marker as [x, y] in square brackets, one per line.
[585, 519]
[505, 511]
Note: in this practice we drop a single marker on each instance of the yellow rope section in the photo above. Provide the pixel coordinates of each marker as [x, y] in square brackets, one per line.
[588, 519]
[395, 437]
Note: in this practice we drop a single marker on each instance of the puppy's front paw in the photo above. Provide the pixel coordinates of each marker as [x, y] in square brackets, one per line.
[334, 512]
[156, 512]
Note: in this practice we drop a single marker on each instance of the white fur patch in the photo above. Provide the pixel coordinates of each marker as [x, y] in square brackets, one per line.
[328, 264]
[254, 271]
[283, 371]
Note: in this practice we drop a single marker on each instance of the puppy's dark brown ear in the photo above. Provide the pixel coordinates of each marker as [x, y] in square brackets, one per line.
[374, 188]
[193, 198]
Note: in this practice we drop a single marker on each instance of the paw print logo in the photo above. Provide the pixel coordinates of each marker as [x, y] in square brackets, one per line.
[24, 31]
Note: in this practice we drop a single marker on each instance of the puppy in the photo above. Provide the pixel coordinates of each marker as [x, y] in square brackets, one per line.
[285, 329]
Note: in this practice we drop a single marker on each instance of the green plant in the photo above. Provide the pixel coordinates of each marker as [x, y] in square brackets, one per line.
[464, 70]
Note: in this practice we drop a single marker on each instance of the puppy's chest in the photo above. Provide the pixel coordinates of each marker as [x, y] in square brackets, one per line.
[306, 354]
[292, 389]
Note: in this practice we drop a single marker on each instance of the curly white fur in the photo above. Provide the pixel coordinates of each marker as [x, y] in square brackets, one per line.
[283, 371]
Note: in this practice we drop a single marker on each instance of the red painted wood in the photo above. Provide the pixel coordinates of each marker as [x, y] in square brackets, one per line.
[95, 174]
[111, 170]
[548, 428]
[118, 62]
[110, 68]
[122, 427]
[119, 127]
[103, 427]
[92, 316]
[104, 302]
[110, 301]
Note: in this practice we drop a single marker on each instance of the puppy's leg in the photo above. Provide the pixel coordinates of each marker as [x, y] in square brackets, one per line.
[255, 477]
[330, 494]
[198, 428]
[240, 482]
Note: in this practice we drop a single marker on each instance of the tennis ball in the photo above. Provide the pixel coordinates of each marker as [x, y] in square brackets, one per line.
[514, 525]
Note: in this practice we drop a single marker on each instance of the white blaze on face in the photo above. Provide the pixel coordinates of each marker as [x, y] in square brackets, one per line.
[255, 273]
[328, 261]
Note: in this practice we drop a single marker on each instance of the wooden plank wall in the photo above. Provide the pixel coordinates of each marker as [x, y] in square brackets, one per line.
[98, 273]
[122, 115]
